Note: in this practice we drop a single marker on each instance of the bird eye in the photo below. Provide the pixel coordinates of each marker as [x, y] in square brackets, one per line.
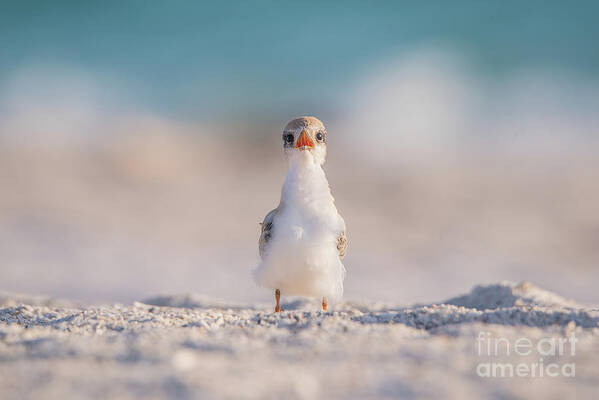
[319, 136]
[288, 138]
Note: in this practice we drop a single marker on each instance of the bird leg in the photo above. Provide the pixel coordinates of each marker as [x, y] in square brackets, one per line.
[278, 298]
[324, 304]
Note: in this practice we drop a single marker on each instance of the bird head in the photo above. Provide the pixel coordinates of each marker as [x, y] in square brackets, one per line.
[306, 134]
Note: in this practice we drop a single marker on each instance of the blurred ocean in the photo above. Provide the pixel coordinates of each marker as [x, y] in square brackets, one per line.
[140, 143]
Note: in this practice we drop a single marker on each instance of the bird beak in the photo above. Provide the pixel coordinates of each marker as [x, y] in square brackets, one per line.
[304, 142]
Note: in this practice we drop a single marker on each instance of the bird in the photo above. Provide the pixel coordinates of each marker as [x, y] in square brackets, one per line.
[303, 241]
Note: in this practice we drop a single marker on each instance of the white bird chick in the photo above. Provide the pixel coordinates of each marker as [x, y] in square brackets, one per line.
[303, 240]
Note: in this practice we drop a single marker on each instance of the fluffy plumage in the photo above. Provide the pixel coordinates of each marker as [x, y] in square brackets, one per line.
[303, 240]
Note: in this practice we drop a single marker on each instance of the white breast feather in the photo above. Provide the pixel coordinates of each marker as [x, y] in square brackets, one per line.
[301, 258]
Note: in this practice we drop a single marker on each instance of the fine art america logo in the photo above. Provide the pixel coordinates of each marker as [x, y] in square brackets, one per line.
[545, 354]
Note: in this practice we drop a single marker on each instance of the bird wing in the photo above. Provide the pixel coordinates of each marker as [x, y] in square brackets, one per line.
[266, 230]
[342, 244]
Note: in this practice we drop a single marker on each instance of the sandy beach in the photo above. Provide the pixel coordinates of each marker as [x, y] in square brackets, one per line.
[189, 346]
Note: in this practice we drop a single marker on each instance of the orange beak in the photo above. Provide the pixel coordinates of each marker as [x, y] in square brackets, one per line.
[304, 141]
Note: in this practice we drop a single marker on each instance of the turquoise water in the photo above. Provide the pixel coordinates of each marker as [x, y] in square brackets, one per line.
[198, 58]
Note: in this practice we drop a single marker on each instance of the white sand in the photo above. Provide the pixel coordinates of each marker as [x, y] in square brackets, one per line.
[192, 347]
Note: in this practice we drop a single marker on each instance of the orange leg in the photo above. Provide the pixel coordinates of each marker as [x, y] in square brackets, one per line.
[324, 304]
[278, 298]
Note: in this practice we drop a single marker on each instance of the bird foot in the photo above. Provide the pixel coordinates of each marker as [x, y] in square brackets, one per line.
[324, 304]
[278, 299]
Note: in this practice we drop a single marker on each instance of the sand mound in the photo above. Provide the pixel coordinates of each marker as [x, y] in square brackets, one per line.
[509, 294]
